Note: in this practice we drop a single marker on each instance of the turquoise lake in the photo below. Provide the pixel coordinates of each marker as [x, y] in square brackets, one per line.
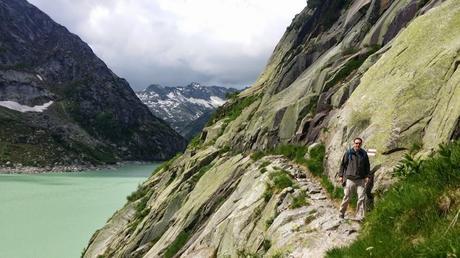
[54, 215]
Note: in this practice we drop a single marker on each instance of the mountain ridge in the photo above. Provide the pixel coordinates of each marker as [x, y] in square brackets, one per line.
[94, 116]
[181, 106]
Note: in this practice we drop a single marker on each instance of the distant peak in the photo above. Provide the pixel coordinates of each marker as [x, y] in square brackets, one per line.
[153, 87]
[194, 84]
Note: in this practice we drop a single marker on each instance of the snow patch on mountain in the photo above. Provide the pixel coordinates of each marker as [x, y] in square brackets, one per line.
[23, 108]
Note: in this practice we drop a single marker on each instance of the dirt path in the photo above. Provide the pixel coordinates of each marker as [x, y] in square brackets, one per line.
[321, 229]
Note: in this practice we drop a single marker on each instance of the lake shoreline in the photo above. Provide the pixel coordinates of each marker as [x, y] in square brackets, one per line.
[68, 168]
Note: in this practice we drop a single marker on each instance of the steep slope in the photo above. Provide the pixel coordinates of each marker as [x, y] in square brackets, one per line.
[180, 106]
[196, 126]
[342, 69]
[60, 104]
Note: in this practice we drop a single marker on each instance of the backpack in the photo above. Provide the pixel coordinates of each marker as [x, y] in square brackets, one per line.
[350, 153]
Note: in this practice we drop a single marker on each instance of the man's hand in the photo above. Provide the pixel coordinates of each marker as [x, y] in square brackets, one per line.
[366, 180]
[341, 179]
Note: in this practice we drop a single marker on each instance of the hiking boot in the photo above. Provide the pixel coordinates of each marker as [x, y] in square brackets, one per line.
[342, 215]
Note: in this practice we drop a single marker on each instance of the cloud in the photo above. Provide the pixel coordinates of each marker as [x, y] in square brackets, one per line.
[174, 42]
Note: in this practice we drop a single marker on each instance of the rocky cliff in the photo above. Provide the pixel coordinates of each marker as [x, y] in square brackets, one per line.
[386, 71]
[60, 104]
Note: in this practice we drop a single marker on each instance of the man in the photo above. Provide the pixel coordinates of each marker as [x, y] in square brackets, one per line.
[354, 174]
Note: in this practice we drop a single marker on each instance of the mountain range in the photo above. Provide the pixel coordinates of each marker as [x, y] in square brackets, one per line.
[184, 108]
[60, 104]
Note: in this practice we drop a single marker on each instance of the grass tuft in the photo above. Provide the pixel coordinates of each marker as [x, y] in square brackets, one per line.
[299, 201]
[178, 243]
[281, 180]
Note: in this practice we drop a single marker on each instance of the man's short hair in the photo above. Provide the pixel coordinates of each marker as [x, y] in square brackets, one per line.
[357, 138]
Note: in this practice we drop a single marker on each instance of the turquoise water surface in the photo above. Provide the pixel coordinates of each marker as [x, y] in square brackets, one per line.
[54, 215]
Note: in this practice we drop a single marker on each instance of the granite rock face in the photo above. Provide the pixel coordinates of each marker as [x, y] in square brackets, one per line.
[95, 117]
[382, 70]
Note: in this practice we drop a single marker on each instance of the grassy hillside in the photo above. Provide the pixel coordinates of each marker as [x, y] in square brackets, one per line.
[417, 217]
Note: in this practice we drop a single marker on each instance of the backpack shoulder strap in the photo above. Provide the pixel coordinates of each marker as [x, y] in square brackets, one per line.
[349, 153]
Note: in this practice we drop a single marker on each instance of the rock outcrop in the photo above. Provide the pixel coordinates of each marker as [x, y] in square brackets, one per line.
[382, 70]
[91, 115]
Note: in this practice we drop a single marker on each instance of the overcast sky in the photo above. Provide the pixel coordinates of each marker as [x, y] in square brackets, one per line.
[175, 42]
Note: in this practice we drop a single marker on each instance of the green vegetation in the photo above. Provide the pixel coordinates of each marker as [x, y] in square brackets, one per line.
[224, 149]
[314, 163]
[106, 125]
[95, 155]
[200, 173]
[266, 244]
[141, 208]
[268, 193]
[244, 254]
[21, 66]
[232, 109]
[280, 180]
[316, 167]
[139, 193]
[352, 65]
[178, 243]
[231, 95]
[167, 164]
[418, 216]
[310, 108]
[409, 165]
[295, 153]
[257, 155]
[278, 255]
[299, 201]
[350, 51]
[195, 142]
[33, 146]
[264, 164]
[269, 222]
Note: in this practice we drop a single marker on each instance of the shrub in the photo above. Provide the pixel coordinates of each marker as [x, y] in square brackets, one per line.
[268, 193]
[299, 201]
[266, 244]
[269, 222]
[195, 142]
[178, 243]
[281, 180]
[408, 165]
[139, 193]
[257, 155]
[232, 109]
[231, 95]
[265, 164]
[200, 173]
[278, 255]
